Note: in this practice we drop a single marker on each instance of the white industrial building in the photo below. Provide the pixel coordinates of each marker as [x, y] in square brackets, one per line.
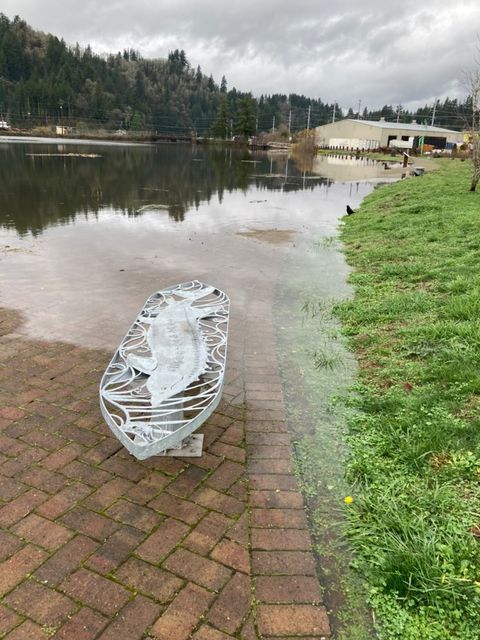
[369, 134]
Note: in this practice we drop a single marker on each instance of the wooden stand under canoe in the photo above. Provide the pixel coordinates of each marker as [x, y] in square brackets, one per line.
[166, 377]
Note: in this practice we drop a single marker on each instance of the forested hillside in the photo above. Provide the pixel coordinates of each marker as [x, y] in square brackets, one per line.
[44, 81]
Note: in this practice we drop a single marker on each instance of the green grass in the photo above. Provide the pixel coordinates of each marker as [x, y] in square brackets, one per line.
[384, 157]
[414, 439]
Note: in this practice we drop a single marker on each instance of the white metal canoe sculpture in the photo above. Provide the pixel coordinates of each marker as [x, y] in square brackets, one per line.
[166, 377]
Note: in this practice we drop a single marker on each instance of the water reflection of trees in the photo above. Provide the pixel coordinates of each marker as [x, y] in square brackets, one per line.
[38, 191]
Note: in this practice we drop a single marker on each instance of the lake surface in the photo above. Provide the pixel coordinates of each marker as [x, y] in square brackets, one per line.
[89, 231]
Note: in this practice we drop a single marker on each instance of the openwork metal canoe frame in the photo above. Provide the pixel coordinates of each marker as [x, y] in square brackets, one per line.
[166, 377]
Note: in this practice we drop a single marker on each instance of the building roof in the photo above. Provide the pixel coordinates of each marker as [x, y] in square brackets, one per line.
[412, 126]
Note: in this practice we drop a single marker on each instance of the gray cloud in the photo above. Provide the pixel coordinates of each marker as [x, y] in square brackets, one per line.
[376, 51]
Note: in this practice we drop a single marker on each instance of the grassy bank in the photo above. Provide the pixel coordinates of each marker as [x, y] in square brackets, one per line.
[414, 325]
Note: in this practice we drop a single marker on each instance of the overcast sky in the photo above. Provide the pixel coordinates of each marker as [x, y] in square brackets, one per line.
[377, 51]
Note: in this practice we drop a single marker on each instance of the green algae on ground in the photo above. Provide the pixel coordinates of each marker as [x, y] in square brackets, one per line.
[414, 325]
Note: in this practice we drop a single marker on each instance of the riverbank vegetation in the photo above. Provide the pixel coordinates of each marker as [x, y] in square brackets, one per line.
[414, 325]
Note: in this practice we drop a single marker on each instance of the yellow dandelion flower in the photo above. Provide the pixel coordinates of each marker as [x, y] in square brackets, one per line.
[348, 500]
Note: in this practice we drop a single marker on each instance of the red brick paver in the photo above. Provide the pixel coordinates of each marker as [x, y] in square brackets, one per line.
[95, 545]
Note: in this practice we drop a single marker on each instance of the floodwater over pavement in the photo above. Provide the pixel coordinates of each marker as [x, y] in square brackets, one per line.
[87, 233]
[85, 240]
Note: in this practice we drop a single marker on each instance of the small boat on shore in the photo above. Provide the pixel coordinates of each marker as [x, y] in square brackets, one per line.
[166, 377]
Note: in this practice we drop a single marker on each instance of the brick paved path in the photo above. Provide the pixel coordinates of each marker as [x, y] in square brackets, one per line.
[94, 544]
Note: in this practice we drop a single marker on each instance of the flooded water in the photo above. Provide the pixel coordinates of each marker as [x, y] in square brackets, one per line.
[88, 232]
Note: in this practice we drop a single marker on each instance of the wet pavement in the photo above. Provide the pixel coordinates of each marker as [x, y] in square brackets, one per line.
[97, 544]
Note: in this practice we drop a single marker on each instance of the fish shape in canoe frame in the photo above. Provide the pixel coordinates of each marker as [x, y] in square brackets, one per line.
[179, 353]
[171, 363]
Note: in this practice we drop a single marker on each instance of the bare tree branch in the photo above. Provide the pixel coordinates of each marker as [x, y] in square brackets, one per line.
[474, 96]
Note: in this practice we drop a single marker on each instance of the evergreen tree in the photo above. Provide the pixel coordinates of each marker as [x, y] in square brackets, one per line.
[245, 124]
[137, 122]
[211, 84]
[221, 126]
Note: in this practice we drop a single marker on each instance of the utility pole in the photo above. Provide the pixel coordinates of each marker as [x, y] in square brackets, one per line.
[256, 125]
[308, 118]
[289, 123]
[398, 112]
[231, 128]
[359, 107]
[273, 125]
[421, 139]
[434, 111]
[334, 111]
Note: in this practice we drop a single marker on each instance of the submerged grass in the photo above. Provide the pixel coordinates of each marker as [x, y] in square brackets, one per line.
[317, 370]
[414, 325]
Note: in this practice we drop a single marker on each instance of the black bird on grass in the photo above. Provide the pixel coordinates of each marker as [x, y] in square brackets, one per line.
[349, 210]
